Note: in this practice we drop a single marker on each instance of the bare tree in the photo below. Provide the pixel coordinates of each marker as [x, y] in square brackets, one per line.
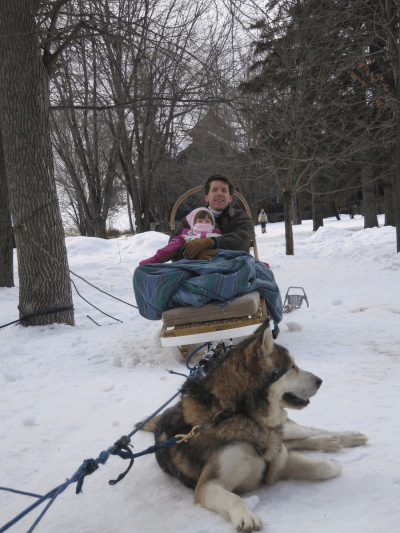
[86, 149]
[390, 29]
[163, 76]
[388, 182]
[153, 64]
[24, 108]
[6, 239]
[369, 207]
[316, 189]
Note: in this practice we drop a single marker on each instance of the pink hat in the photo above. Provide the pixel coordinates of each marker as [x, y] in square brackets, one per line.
[192, 214]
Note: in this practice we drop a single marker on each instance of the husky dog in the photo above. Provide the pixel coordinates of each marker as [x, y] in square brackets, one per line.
[241, 432]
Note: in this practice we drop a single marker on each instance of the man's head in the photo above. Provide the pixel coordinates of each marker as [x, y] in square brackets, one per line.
[218, 192]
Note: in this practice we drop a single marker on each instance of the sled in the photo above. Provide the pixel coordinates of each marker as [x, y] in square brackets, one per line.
[294, 301]
[186, 326]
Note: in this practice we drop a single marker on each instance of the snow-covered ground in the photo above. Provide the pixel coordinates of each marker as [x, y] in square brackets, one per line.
[68, 393]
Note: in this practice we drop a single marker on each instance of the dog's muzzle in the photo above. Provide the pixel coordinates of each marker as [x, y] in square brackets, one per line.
[296, 401]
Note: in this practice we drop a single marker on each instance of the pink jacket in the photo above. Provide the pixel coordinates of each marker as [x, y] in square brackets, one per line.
[164, 254]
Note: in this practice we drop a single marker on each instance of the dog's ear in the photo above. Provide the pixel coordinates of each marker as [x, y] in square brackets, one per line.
[267, 339]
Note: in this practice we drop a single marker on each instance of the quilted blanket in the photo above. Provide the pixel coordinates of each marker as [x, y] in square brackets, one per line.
[162, 286]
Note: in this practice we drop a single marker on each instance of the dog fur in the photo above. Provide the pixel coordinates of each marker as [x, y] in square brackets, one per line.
[245, 437]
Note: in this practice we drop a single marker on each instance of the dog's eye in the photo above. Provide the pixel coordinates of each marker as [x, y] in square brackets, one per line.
[293, 367]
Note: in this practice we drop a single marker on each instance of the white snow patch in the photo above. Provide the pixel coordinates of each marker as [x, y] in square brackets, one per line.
[68, 393]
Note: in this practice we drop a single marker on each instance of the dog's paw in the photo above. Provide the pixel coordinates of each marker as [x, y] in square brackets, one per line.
[245, 520]
[327, 443]
[328, 469]
[352, 438]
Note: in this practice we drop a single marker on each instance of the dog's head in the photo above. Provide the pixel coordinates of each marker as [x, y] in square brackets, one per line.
[288, 385]
[257, 378]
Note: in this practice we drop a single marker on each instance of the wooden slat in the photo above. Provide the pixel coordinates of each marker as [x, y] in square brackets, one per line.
[206, 327]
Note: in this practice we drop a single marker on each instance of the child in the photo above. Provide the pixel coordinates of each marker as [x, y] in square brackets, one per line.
[202, 225]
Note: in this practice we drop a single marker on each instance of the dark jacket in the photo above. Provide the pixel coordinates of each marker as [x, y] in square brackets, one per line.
[236, 226]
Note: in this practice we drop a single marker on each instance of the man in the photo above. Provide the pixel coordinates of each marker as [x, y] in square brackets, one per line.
[236, 226]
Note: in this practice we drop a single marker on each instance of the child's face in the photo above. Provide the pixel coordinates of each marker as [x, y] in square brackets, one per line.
[204, 218]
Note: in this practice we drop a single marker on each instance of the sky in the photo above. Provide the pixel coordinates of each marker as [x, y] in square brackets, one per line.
[68, 393]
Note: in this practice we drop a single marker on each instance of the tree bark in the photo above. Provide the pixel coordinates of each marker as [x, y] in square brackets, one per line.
[128, 203]
[6, 239]
[390, 9]
[335, 211]
[287, 204]
[317, 205]
[24, 107]
[389, 201]
[296, 210]
[350, 207]
[396, 187]
[368, 192]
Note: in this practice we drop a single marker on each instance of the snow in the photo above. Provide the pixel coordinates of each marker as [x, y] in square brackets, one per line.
[68, 393]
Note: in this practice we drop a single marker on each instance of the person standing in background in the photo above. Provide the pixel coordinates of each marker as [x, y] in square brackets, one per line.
[262, 218]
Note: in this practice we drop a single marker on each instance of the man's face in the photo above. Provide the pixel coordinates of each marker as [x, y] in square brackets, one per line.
[218, 197]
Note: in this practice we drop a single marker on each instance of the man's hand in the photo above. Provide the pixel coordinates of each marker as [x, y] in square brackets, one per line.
[193, 248]
[206, 255]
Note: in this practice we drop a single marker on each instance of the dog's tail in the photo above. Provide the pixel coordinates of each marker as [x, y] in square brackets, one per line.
[151, 424]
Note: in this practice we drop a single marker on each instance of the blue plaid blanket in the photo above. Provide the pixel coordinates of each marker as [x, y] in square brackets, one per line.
[162, 286]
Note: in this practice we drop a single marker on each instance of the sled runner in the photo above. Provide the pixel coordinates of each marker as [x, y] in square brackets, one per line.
[185, 326]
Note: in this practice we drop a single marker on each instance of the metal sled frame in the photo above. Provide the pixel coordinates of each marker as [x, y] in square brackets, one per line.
[214, 330]
[294, 301]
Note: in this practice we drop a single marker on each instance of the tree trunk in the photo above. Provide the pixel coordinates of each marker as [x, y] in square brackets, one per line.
[350, 207]
[6, 239]
[368, 192]
[100, 228]
[317, 204]
[389, 201]
[335, 211]
[392, 28]
[128, 202]
[165, 219]
[287, 204]
[24, 107]
[396, 188]
[296, 210]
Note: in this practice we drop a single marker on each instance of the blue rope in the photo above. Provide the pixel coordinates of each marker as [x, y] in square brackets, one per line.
[153, 449]
[199, 369]
[21, 492]
[153, 415]
[194, 368]
[52, 495]
[88, 467]
[91, 465]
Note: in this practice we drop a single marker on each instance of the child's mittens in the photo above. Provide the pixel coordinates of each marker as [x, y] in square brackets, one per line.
[193, 248]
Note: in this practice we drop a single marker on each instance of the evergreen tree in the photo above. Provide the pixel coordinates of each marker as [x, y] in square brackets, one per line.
[317, 120]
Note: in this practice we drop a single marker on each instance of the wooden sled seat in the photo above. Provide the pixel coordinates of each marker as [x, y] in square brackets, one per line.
[199, 324]
[246, 305]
